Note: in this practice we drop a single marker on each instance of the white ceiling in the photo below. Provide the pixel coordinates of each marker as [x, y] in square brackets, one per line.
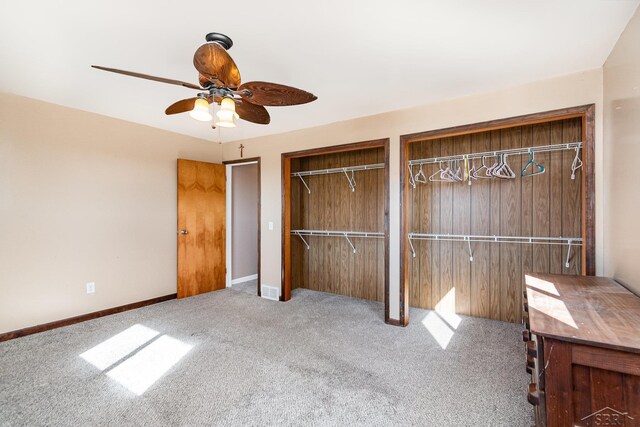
[358, 57]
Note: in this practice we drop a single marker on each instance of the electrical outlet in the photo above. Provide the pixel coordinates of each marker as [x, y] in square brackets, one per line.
[91, 287]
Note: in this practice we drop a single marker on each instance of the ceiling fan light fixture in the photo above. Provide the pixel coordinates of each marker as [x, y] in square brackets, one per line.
[227, 116]
[201, 111]
[219, 82]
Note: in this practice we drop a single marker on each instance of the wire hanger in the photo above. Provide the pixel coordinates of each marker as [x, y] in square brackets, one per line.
[494, 167]
[477, 174]
[471, 174]
[440, 172]
[454, 176]
[420, 176]
[446, 174]
[412, 181]
[577, 164]
[532, 161]
[504, 170]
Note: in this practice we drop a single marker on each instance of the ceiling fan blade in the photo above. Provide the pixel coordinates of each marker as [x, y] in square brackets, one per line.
[181, 106]
[212, 61]
[264, 93]
[252, 113]
[204, 81]
[148, 77]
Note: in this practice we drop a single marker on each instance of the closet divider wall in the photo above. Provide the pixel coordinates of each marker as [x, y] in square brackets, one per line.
[335, 217]
[470, 241]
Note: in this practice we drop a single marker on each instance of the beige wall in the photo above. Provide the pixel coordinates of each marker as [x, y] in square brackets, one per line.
[88, 198]
[84, 198]
[567, 91]
[622, 154]
[244, 184]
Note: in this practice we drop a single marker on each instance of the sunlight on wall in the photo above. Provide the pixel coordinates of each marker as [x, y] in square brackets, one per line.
[138, 369]
[119, 346]
[448, 302]
[144, 368]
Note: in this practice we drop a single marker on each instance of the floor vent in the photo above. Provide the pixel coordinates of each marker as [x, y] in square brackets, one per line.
[270, 292]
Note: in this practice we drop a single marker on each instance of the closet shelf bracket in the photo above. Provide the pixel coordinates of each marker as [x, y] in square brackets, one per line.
[302, 238]
[346, 236]
[351, 180]
[305, 184]
[413, 250]
[412, 179]
[566, 264]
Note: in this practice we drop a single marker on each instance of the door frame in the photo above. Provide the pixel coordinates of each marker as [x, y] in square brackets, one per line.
[229, 164]
[285, 286]
[585, 112]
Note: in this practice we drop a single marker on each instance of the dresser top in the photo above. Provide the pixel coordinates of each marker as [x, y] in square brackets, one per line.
[584, 309]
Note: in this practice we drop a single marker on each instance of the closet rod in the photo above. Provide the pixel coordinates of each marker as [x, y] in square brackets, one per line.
[576, 241]
[331, 233]
[336, 233]
[511, 151]
[569, 241]
[350, 179]
[338, 170]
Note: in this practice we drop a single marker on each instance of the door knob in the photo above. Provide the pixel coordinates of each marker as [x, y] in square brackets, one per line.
[184, 232]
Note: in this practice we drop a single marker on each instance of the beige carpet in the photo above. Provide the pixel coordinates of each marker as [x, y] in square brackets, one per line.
[249, 287]
[230, 358]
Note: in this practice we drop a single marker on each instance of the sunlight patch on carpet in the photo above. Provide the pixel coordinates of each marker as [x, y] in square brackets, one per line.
[144, 368]
[119, 346]
[438, 329]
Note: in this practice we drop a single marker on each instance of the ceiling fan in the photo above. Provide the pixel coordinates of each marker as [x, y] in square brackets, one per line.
[219, 83]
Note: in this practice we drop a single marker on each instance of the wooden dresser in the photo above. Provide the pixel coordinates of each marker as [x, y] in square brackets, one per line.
[583, 351]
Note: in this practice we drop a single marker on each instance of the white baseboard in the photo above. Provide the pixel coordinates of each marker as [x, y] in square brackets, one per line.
[244, 279]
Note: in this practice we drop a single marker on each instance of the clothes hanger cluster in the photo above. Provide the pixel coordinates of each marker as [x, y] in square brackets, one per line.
[499, 168]
[452, 173]
[494, 165]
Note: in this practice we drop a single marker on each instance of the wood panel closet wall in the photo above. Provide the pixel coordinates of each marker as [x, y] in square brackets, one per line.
[441, 276]
[327, 202]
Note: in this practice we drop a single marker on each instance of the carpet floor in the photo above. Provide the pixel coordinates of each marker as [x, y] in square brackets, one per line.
[233, 359]
[250, 287]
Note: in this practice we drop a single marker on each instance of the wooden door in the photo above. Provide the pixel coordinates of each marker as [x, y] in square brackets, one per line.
[201, 227]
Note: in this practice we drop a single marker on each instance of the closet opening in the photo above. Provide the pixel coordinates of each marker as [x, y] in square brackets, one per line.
[335, 221]
[243, 230]
[482, 205]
